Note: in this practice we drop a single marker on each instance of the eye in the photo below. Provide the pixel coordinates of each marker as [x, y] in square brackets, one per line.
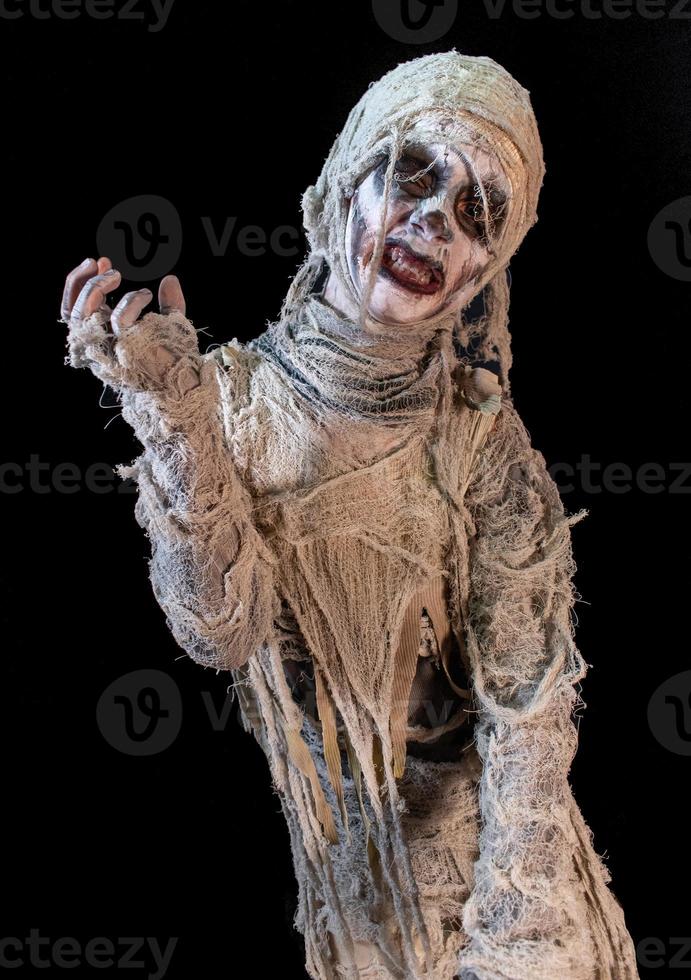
[414, 176]
[470, 212]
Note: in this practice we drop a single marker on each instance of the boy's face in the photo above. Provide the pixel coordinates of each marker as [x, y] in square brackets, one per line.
[436, 229]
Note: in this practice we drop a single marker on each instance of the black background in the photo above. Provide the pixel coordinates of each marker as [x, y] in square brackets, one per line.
[229, 110]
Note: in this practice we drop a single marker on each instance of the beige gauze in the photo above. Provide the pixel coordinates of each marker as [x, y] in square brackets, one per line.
[318, 496]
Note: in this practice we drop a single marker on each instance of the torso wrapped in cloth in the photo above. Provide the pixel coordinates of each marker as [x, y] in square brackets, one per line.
[358, 467]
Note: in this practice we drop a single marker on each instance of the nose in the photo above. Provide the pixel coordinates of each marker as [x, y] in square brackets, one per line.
[431, 223]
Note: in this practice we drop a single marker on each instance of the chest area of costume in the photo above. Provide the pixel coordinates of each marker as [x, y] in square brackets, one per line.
[360, 525]
[352, 552]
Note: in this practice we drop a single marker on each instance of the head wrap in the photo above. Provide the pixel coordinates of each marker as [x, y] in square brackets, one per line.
[449, 98]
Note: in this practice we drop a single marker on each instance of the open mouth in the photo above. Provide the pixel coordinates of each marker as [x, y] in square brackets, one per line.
[410, 270]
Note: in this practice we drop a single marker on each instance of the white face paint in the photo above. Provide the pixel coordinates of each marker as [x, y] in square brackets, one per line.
[435, 228]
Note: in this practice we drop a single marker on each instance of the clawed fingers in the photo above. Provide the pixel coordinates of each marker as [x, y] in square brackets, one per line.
[87, 286]
[75, 282]
[128, 309]
[77, 279]
[170, 296]
[93, 294]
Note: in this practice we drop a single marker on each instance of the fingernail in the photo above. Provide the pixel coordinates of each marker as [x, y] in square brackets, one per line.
[110, 272]
[86, 262]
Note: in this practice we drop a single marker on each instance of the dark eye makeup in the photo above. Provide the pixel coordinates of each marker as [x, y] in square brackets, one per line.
[419, 178]
[416, 176]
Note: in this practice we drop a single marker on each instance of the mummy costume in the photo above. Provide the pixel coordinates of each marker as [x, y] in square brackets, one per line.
[345, 515]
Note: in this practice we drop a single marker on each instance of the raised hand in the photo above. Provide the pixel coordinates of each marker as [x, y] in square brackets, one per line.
[210, 569]
[87, 286]
[97, 333]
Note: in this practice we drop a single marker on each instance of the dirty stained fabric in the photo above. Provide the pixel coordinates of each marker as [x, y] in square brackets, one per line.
[326, 508]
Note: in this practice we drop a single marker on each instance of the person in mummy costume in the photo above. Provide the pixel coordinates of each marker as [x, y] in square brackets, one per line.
[348, 515]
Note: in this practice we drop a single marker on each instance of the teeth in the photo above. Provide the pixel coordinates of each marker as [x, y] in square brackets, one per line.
[400, 260]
